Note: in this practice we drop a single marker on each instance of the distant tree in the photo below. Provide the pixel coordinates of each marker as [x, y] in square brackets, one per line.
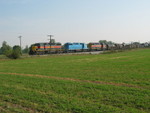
[6, 49]
[0, 51]
[110, 42]
[26, 49]
[135, 42]
[17, 48]
[10, 52]
[102, 41]
[16, 52]
[106, 42]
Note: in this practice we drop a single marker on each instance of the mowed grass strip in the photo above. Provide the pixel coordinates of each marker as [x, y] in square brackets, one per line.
[73, 92]
[49, 95]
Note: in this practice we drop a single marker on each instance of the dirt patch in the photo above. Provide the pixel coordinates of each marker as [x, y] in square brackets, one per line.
[76, 80]
[7, 106]
[119, 57]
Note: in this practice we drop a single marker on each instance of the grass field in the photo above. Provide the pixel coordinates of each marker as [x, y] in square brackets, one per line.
[104, 83]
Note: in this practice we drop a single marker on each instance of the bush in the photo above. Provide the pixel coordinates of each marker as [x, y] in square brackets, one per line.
[15, 53]
[8, 53]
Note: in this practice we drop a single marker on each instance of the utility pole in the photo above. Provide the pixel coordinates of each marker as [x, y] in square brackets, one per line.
[50, 37]
[50, 40]
[20, 43]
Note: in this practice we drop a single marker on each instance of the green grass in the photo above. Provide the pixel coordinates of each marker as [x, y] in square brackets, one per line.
[118, 82]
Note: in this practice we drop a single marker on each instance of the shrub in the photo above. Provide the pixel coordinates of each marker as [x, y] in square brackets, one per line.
[14, 53]
[8, 53]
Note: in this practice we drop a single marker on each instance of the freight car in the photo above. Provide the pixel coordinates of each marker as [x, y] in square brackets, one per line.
[110, 46]
[104, 46]
[119, 46]
[95, 46]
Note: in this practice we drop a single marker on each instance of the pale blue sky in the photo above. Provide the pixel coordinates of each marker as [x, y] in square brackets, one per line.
[74, 20]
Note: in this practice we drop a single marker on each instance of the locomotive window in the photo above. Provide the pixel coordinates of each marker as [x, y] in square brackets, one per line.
[41, 44]
[46, 44]
[58, 43]
[37, 44]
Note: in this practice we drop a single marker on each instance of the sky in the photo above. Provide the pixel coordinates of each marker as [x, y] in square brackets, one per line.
[74, 21]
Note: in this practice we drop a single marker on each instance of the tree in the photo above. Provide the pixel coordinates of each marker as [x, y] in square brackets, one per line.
[110, 42]
[10, 52]
[102, 41]
[6, 49]
[0, 51]
[106, 42]
[26, 49]
[16, 52]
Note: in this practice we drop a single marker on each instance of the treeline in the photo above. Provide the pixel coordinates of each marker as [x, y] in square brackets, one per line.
[12, 52]
[145, 44]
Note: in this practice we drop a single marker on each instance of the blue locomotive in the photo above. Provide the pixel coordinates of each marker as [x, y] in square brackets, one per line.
[75, 47]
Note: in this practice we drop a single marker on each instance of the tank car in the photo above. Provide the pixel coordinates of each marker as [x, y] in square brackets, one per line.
[111, 46]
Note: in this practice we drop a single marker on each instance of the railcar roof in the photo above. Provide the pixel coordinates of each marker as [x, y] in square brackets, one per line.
[74, 43]
[46, 43]
[94, 43]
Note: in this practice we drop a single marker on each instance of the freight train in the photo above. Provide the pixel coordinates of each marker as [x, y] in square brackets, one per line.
[49, 48]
